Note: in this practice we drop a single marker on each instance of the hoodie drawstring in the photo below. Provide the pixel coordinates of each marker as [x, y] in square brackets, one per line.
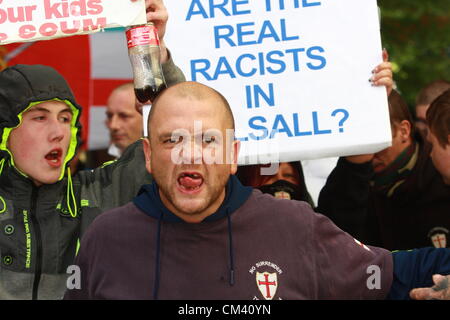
[70, 195]
[230, 244]
[157, 264]
[2, 162]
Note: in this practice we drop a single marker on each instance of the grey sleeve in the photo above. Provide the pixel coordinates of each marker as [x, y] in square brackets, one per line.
[116, 183]
[172, 74]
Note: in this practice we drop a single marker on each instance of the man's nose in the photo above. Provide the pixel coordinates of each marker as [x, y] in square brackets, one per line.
[196, 151]
[57, 132]
[279, 176]
[191, 152]
[113, 123]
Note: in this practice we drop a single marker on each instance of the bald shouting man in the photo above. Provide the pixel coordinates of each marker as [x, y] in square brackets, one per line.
[197, 233]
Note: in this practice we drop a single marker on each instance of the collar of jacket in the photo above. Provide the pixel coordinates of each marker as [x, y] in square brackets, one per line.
[149, 201]
[398, 171]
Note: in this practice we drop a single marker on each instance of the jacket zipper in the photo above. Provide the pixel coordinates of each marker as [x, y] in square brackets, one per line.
[38, 236]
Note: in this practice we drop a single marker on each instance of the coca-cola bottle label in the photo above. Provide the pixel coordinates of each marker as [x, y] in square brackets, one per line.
[142, 35]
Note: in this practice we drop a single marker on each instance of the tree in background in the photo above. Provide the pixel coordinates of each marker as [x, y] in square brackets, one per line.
[416, 34]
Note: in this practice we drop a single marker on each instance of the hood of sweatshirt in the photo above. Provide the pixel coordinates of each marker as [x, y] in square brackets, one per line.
[24, 86]
[149, 201]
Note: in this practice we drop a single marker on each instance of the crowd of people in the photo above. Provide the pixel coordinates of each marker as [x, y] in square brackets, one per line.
[148, 227]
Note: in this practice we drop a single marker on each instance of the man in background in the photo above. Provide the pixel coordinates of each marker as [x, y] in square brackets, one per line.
[424, 99]
[122, 120]
[438, 120]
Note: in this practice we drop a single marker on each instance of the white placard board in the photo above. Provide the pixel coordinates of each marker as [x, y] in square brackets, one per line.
[31, 20]
[295, 72]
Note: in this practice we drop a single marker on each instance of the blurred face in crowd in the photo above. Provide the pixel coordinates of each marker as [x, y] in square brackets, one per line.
[40, 143]
[122, 119]
[285, 172]
[400, 141]
[189, 184]
[441, 156]
[421, 122]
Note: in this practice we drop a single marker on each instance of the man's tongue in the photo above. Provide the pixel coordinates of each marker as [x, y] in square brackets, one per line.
[190, 182]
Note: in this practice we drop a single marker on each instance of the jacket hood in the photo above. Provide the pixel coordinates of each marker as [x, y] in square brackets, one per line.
[23, 86]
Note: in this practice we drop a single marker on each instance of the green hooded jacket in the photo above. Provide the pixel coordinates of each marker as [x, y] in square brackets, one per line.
[40, 227]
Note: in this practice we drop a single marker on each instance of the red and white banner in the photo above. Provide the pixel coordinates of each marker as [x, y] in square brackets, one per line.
[31, 20]
[93, 65]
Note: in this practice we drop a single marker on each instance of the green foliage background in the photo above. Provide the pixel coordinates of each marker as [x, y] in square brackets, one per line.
[416, 34]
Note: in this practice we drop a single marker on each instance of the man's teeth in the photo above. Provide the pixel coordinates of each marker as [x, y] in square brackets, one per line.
[53, 156]
[193, 175]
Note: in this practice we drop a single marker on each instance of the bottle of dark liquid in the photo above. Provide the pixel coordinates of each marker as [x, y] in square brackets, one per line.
[144, 53]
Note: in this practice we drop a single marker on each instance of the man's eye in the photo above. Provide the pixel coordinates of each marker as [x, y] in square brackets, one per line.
[174, 139]
[209, 139]
[39, 118]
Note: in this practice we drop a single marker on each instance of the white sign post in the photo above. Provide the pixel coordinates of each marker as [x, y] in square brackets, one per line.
[294, 71]
[31, 20]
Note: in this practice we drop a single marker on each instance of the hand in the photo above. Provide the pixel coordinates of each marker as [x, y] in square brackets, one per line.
[440, 290]
[382, 74]
[157, 13]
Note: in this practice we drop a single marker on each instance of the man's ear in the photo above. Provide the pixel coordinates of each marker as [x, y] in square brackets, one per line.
[236, 145]
[147, 152]
[405, 130]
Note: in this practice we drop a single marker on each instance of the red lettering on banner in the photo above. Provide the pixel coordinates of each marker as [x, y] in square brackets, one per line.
[95, 6]
[27, 31]
[48, 29]
[75, 8]
[52, 10]
[78, 8]
[16, 14]
[65, 28]
[88, 24]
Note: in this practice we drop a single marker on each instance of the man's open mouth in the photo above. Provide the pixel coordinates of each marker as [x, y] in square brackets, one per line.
[190, 181]
[54, 157]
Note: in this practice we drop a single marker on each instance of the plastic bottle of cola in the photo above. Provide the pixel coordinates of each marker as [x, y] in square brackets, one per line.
[144, 53]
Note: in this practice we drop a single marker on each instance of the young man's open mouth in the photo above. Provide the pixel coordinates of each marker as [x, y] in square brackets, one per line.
[54, 158]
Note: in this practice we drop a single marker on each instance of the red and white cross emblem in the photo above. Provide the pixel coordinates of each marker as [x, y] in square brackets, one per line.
[439, 240]
[267, 284]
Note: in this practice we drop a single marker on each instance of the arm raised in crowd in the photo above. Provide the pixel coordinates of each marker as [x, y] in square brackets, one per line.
[345, 196]
[157, 13]
[116, 183]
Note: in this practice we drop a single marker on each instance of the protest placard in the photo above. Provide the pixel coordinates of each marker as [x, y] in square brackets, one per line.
[31, 20]
[294, 71]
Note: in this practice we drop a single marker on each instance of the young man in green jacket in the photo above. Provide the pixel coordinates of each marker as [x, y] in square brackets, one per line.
[44, 210]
